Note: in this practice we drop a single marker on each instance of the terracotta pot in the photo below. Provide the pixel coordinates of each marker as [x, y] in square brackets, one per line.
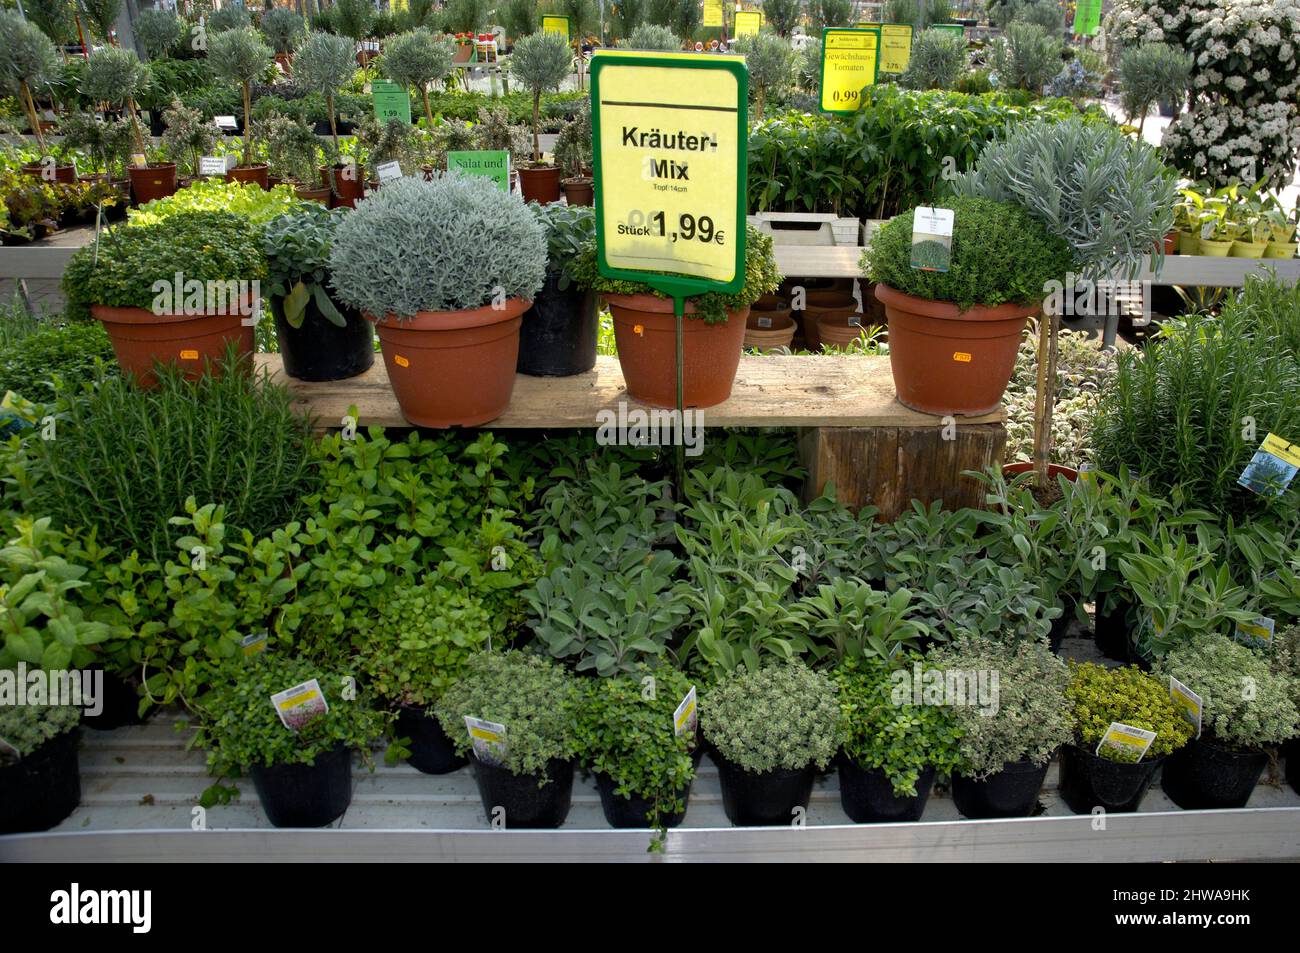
[346, 190]
[258, 173]
[1248, 249]
[949, 361]
[822, 302]
[194, 342]
[1281, 250]
[541, 185]
[1171, 243]
[66, 174]
[152, 181]
[840, 330]
[769, 329]
[1053, 470]
[579, 191]
[1213, 249]
[645, 332]
[320, 194]
[451, 368]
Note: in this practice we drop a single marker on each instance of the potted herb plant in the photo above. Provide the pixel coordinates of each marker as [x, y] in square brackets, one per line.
[29, 62]
[645, 329]
[187, 138]
[1011, 729]
[641, 759]
[573, 156]
[284, 29]
[239, 56]
[954, 331]
[299, 757]
[417, 58]
[1107, 776]
[323, 64]
[1248, 709]
[559, 331]
[293, 156]
[1282, 230]
[116, 76]
[893, 749]
[445, 268]
[1285, 660]
[524, 767]
[117, 280]
[320, 338]
[771, 730]
[541, 61]
[40, 782]
[109, 144]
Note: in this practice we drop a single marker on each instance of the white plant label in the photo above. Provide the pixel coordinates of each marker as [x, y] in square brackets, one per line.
[1188, 702]
[212, 165]
[1126, 738]
[686, 715]
[1258, 633]
[764, 322]
[254, 642]
[1272, 468]
[9, 749]
[389, 171]
[932, 238]
[226, 122]
[300, 705]
[488, 740]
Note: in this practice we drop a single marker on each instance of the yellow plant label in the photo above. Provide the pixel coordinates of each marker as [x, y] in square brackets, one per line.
[1128, 739]
[556, 24]
[401, 361]
[962, 357]
[712, 13]
[189, 355]
[747, 22]
[895, 47]
[850, 62]
[1282, 449]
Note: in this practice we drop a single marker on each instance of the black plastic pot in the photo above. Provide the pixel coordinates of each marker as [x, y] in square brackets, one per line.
[763, 800]
[120, 707]
[1111, 627]
[41, 790]
[431, 750]
[525, 804]
[867, 795]
[1011, 792]
[558, 336]
[322, 127]
[321, 350]
[1206, 775]
[1089, 782]
[306, 795]
[1291, 752]
[634, 812]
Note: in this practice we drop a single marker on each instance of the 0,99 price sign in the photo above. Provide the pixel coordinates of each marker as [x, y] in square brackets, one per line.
[850, 62]
[670, 137]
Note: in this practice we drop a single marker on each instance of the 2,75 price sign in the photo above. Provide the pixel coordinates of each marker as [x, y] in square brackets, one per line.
[850, 62]
[670, 136]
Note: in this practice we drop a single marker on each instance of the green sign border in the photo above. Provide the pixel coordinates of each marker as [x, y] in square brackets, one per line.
[568, 23]
[821, 74]
[950, 27]
[678, 286]
[396, 90]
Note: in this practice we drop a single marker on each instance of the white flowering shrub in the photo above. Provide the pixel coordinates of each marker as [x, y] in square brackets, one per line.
[1244, 121]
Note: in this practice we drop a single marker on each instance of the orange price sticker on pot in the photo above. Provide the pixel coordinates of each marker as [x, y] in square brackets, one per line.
[962, 357]
[401, 361]
[189, 355]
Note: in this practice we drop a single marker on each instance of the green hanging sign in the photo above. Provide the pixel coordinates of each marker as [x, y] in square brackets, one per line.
[391, 101]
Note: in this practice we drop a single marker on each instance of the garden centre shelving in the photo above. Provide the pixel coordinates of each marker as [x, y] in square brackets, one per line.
[140, 786]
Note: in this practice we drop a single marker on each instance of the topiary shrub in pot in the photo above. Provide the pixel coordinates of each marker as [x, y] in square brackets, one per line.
[29, 61]
[714, 332]
[301, 766]
[445, 268]
[40, 782]
[1013, 717]
[574, 157]
[1248, 708]
[559, 332]
[116, 76]
[525, 772]
[417, 58]
[893, 747]
[293, 156]
[771, 729]
[1107, 777]
[418, 646]
[540, 62]
[627, 737]
[953, 335]
[129, 281]
[320, 338]
[284, 29]
[239, 56]
[325, 62]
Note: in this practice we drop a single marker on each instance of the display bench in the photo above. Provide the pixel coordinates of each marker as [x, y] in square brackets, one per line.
[853, 431]
[140, 787]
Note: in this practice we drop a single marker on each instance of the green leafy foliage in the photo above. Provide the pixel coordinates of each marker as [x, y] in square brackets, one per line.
[159, 31]
[937, 59]
[852, 621]
[233, 16]
[649, 36]
[1026, 57]
[568, 228]
[26, 54]
[27, 727]
[283, 28]
[417, 58]
[297, 250]
[53, 359]
[1100, 696]
[999, 254]
[247, 201]
[780, 717]
[770, 62]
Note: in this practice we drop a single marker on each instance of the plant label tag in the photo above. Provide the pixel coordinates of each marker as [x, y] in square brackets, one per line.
[1188, 702]
[1131, 742]
[139, 160]
[254, 642]
[300, 705]
[212, 165]
[225, 122]
[388, 171]
[488, 740]
[1258, 633]
[764, 322]
[686, 715]
[932, 238]
[9, 750]
[1272, 468]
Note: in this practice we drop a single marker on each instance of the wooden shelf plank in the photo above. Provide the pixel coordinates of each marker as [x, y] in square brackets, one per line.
[771, 391]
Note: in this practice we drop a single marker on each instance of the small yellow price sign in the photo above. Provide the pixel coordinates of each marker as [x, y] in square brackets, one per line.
[556, 24]
[712, 13]
[850, 62]
[748, 22]
[895, 47]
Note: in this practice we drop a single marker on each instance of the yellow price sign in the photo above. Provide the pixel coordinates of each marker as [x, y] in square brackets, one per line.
[748, 22]
[712, 13]
[556, 24]
[895, 47]
[850, 61]
[670, 131]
